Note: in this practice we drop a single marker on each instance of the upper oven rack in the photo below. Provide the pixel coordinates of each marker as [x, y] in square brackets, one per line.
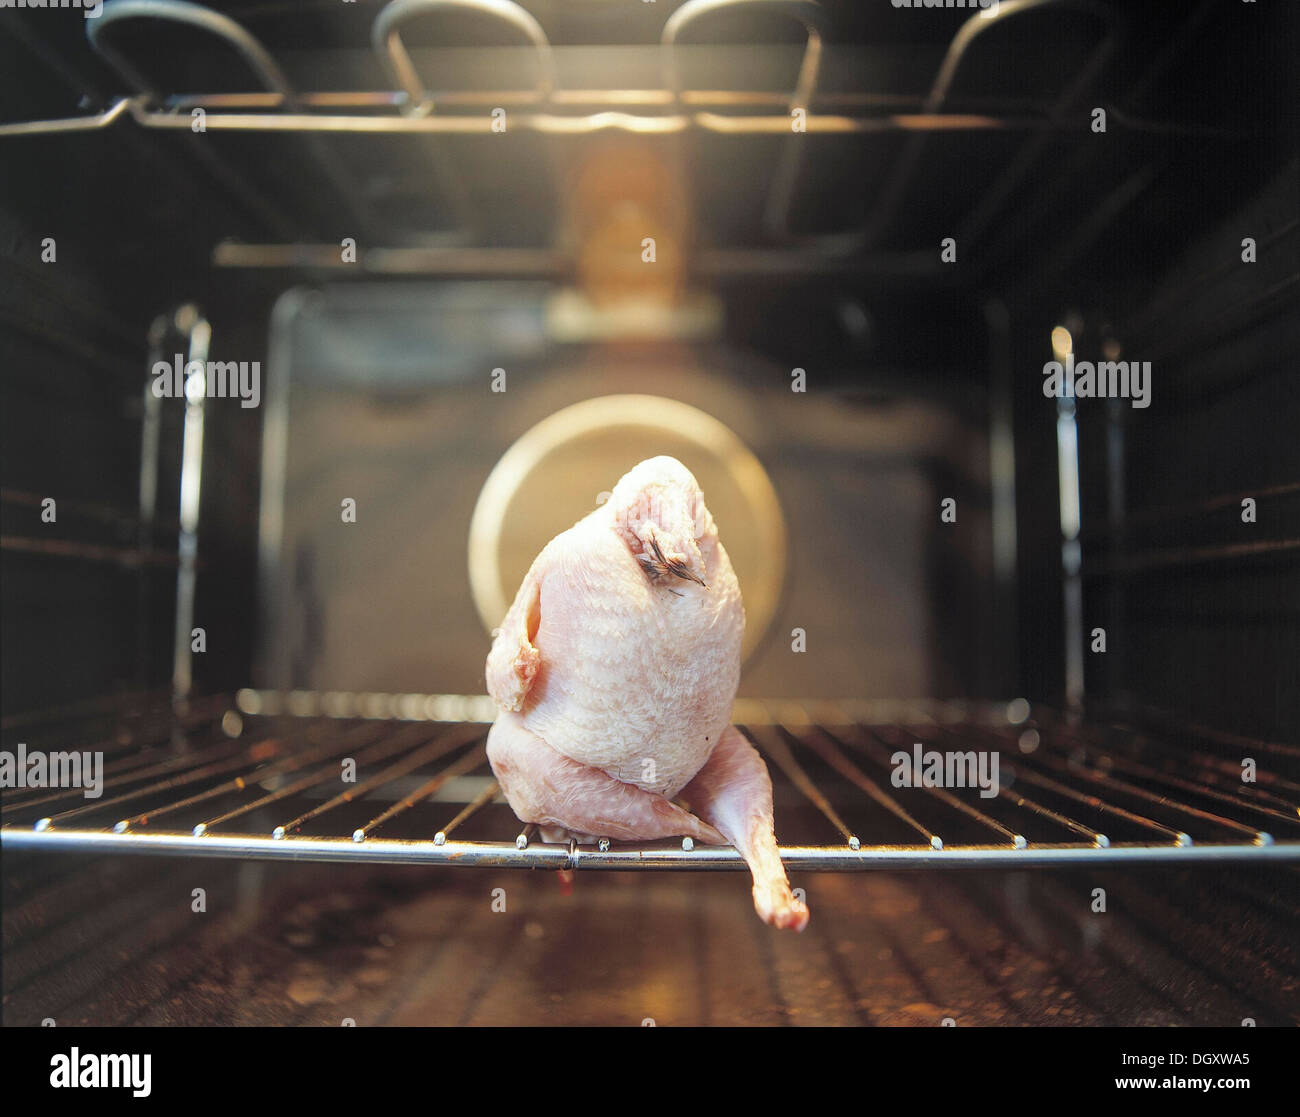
[193, 788]
[412, 108]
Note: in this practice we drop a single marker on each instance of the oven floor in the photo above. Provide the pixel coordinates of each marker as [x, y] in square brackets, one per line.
[115, 941]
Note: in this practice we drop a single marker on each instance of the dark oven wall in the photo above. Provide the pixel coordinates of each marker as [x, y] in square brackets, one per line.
[383, 395]
[101, 235]
[1191, 540]
[1188, 508]
[1186, 599]
[1199, 570]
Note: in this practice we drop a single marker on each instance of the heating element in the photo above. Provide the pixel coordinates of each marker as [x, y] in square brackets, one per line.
[858, 785]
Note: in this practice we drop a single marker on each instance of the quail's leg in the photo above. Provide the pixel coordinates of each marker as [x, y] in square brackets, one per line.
[552, 790]
[734, 792]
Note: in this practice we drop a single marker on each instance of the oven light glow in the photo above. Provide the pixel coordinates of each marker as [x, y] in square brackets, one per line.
[1062, 343]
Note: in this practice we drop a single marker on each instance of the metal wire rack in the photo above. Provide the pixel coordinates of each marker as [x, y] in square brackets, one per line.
[551, 110]
[669, 109]
[260, 777]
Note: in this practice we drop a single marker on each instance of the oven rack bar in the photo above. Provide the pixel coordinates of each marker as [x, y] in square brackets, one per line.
[754, 711]
[1142, 519]
[1177, 558]
[507, 855]
[719, 265]
[1170, 803]
[552, 124]
[129, 557]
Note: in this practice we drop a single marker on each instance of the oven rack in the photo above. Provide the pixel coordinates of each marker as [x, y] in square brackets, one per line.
[667, 110]
[1107, 791]
[548, 109]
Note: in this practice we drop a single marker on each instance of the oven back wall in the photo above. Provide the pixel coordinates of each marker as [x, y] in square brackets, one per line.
[381, 394]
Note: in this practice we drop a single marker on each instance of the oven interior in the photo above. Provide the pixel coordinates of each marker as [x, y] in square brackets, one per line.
[389, 209]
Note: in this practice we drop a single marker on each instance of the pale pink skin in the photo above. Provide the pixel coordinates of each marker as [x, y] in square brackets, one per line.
[615, 686]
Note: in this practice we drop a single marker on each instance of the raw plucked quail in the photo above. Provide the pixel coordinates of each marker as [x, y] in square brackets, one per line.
[614, 673]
